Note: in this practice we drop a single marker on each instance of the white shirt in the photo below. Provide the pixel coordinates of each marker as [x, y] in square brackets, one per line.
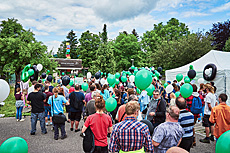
[210, 99]
[31, 89]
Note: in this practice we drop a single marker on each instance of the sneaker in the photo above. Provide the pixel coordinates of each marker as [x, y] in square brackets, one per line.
[32, 133]
[212, 138]
[64, 137]
[77, 130]
[71, 129]
[17, 120]
[55, 138]
[205, 140]
[22, 120]
[47, 124]
[44, 133]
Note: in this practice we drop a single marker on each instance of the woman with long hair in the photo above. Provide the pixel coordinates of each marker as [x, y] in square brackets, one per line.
[57, 101]
[104, 92]
[19, 104]
[100, 124]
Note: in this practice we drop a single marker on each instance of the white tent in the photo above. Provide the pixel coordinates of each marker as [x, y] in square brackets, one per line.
[222, 62]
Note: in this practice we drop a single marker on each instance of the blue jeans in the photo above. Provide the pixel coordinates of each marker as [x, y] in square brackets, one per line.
[19, 113]
[47, 109]
[34, 118]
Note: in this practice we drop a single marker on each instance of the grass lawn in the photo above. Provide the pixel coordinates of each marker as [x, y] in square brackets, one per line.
[9, 108]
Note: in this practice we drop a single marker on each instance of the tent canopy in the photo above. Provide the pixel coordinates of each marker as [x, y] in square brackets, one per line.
[219, 58]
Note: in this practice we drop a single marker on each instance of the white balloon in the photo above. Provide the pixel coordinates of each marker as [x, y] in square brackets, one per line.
[201, 80]
[169, 89]
[5, 90]
[89, 75]
[39, 67]
[132, 78]
[102, 81]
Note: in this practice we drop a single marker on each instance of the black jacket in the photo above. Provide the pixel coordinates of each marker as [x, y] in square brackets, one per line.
[160, 115]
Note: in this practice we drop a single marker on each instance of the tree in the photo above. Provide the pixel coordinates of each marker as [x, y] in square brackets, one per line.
[175, 53]
[105, 60]
[72, 39]
[221, 33]
[173, 30]
[89, 43]
[103, 35]
[227, 46]
[18, 47]
[127, 47]
[135, 33]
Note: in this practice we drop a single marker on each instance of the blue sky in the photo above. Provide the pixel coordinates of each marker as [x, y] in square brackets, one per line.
[51, 20]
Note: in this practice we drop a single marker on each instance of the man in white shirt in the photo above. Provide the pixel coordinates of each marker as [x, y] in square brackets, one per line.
[210, 101]
[31, 89]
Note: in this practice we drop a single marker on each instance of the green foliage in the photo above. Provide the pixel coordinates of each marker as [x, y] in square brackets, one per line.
[89, 44]
[18, 47]
[105, 60]
[127, 47]
[72, 39]
[227, 46]
[176, 53]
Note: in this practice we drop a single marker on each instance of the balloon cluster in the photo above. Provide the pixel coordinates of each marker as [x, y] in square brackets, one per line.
[26, 73]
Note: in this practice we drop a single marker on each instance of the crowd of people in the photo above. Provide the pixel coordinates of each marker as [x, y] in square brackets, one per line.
[171, 118]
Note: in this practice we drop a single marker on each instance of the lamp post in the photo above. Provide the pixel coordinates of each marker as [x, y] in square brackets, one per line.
[132, 61]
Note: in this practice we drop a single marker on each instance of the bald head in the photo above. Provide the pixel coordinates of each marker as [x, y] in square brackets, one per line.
[181, 103]
[174, 112]
[176, 150]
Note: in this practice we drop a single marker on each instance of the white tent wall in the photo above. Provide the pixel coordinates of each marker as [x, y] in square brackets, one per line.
[222, 79]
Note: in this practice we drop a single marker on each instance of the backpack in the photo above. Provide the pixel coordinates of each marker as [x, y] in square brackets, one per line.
[196, 107]
[88, 141]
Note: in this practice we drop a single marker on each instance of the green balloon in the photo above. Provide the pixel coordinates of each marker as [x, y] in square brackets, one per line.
[177, 93]
[150, 90]
[123, 78]
[138, 91]
[191, 67]
[117, 81]
[135, 71]
[101, 73]
[157, 74]
[186, 90]
[110, 104]
[132, 67]
[143, 79]
[63, 73]
[186, 79]
[113, 85]
[166, 84]
[113, 96]
[223, 143]
[117, 75]
[14, 144]
[129, 73]
[84, 86]
[179, 77]
[48, 71]
[31, 72]
[111, 79]
[71, 82]
[105, 73]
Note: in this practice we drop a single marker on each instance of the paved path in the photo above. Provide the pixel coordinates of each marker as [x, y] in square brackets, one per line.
[72, 144]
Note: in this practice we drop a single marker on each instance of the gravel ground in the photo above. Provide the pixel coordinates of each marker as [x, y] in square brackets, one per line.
[72, 144]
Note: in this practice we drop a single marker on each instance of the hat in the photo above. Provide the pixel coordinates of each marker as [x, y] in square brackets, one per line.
[169, 82]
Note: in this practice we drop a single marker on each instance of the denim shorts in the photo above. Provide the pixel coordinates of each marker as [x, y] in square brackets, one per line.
[47, 109]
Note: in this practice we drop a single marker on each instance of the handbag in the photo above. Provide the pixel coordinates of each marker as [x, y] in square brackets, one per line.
[88, 141]
[58, 118]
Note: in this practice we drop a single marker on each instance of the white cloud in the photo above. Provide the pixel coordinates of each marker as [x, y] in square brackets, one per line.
[53, 45]
[221, 8]
[193, 14]
[115, 10]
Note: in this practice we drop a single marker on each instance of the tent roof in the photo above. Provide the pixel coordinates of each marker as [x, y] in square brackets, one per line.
[219, 58]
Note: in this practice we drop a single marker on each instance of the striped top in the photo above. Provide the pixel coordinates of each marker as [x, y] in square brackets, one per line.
[186, 120]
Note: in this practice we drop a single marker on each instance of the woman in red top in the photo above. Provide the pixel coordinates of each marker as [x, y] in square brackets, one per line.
[100, 124]
[19, 104]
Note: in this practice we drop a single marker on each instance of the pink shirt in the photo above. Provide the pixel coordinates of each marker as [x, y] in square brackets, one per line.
[88, 97]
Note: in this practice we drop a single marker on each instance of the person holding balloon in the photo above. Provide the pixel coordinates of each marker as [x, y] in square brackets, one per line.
[100, 124]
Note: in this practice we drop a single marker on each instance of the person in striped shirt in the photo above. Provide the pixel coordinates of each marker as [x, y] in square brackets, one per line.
[186, 120]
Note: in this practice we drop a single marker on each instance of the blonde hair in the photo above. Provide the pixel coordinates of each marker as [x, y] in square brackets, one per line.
[55, 91]
[209, 87]
[131, 107]
[24, 91]
[173, 95]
